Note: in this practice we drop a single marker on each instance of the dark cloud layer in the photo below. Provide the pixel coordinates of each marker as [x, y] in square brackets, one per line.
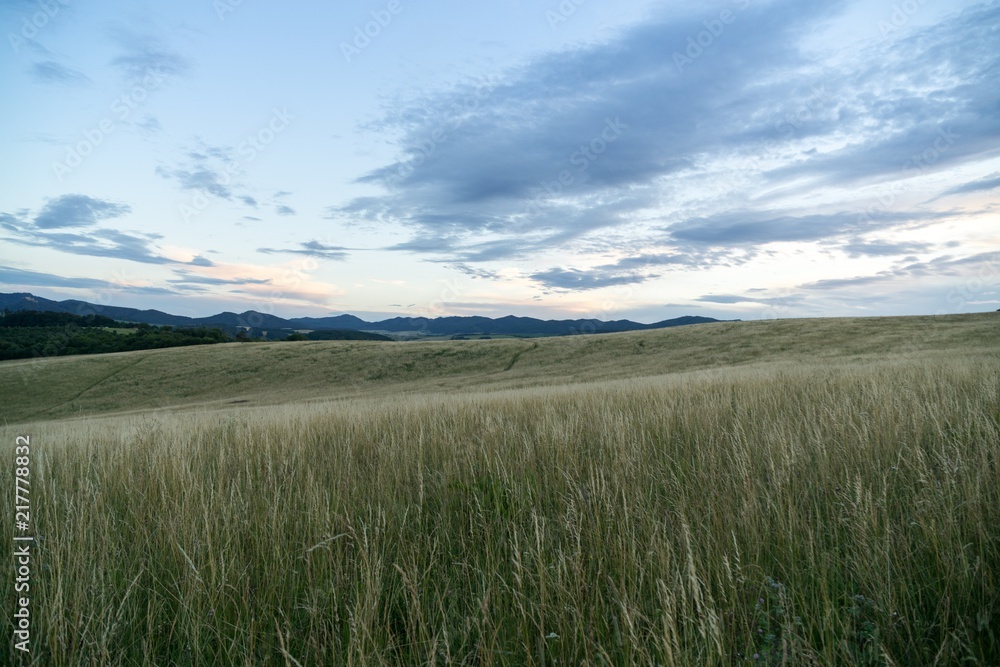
[879, 247]
[574, 279]
[50, 71]
[82, 213]
[145, 55]
[760, 227]
[189, 280]
[773, 301]
[217, 171]
[311, 249]
[14, 276]
[991, 182]
[943, 266]
[74, 210]
[594, 138]
[216, 182]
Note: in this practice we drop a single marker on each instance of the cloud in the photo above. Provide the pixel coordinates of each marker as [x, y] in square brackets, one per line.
[82, 213]
[990, 182]
[74, 210]
[985, 265]
[134, 247]
[574, 279]
[601, 117]
[908, 119]
[661, 259]
[879, 247]
[211, 170]
[188, 278]
[761, 227]
[204, 179]
[50, 71]
[14, 276]
[312, 249]
[839, 283]
[145, 55]
[784, 301]
[149, 124]
[628, 270]
[474, 272]
[616, 133]
[284, 210]
[948, 265]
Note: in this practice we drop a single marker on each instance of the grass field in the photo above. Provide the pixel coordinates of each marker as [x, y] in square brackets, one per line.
[801, 492]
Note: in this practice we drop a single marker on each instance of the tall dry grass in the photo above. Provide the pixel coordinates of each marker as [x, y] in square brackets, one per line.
[827, 515]
[278, 373]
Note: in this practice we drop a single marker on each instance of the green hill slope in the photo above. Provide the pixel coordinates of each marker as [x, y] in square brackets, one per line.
[273, 373]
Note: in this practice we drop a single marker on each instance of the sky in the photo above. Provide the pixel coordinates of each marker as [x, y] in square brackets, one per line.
[743, 159]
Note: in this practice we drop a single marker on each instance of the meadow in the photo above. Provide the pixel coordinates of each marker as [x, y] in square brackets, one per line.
[798, 492]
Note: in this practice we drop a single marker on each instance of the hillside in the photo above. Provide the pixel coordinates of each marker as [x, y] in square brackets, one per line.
[273, 373]
[421, 326]
[798, 492]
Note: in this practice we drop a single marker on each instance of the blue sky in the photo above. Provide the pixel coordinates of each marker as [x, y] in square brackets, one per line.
[579, 158]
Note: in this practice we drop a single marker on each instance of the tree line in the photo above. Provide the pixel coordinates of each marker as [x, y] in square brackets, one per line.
[28, 333]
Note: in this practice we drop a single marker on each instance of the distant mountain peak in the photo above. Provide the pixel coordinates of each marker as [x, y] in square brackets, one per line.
[508, 325]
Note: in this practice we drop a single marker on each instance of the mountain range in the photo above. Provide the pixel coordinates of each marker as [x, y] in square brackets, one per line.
[438, 326]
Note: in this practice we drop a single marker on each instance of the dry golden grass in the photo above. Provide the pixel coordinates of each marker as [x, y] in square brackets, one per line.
[277, 373]
[608, 500]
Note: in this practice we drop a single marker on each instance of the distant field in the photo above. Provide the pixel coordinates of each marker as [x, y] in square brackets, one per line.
[798, 492]
[275, 373]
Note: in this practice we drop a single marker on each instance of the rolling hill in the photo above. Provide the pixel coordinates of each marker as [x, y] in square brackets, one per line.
[793, 492]
[273, 373]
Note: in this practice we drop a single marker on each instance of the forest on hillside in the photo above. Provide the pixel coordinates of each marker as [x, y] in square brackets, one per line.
[26, 334]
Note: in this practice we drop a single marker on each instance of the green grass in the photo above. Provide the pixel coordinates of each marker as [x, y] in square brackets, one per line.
[809, 492]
